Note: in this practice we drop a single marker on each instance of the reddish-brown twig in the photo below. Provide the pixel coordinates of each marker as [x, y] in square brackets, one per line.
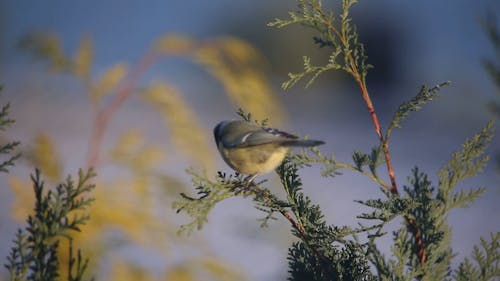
[412, 225]
[354, 71]
[378, 130]
[104, 114]
[300, 229]
[303, 235]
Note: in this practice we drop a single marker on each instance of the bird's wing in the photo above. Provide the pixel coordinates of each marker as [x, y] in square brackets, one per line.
[259, 136]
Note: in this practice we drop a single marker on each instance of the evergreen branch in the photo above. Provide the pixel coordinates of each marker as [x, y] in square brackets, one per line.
[402, 249]
[433, 232]
[465, 163]
[418, 235]
[9, 147]
[249, 118]
[332, 166]
[387, 210]
[462, 199]
[311, 70]
[11, 160]
[421, 191]
[487, 259]
[76, 266]
[339, 35]
[5, 121]
[316, 257]
[209, 193]
[34, 254]
[378, 260]
[291, 183]
[296, 226]
[344, 40]
[422, 252]
[415, 104]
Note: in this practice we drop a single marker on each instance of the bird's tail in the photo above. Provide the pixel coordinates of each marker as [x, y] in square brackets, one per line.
[304, 143]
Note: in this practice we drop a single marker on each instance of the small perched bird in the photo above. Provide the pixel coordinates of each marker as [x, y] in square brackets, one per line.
[253, 150]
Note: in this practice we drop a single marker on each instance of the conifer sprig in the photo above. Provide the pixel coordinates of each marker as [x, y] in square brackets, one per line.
[429, 207]
[485, 263]
[415, 104]
[34, 254]
[334, 31]
[9, 147]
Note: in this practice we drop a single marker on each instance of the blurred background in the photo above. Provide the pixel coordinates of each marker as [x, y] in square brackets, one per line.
[135, 88]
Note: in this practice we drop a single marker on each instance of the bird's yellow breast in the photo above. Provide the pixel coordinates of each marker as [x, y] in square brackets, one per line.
[251, 160]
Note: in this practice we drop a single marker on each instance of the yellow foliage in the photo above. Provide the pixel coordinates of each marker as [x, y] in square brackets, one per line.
[24, 200]
[220, 270]
[131, 149]
[108, 82]
[148, 157]
[239, 51]
[179, 273]
[173, 45]
[119, 207]
[83, 59]
[202, 269]
[47, 46]
[127, 142]
[123, 271]
[238, 66]
[45, 157]
[122, 208]
[186, 132]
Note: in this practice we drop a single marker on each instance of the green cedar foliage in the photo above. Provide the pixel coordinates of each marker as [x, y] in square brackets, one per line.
[34, 254]
[8, 148]
[336, 32]
[421, 248]
[486, 260]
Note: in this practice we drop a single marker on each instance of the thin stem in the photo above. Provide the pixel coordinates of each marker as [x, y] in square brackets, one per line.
[378, 130]
[297, 225]
[300, 229]
[104, 115]
[353, 69]
[412, 225]
[369, 175]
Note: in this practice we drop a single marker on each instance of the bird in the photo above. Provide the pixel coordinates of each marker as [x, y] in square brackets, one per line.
[254, 150]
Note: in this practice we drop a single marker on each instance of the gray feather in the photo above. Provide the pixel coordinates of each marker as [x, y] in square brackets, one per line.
[235, 134]
[304, 143]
